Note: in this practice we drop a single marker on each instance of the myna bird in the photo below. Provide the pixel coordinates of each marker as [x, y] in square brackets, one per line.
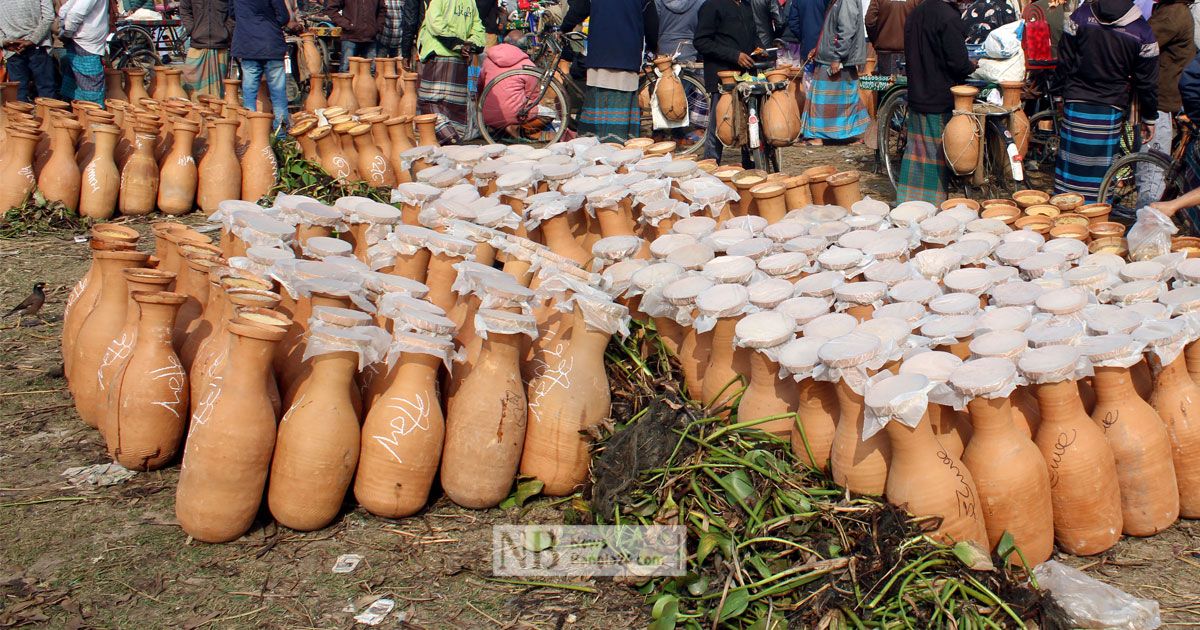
[31, 304]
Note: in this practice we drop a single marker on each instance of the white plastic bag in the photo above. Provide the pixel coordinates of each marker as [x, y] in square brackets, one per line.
[1150, 235]
[1090, 603]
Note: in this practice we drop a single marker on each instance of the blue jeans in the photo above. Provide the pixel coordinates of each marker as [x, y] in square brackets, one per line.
[356, 49]
[34, 70]
[252, 73]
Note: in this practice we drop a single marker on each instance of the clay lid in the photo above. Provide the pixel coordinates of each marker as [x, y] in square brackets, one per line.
[390, 305]
[919, 291]
[934, 365]
[423, 320]
[1143, 270]
[1137, 291]
[1013, 252]
[857, 239]
[889, 272]
[980, 377]
[1106, 348]
[766, 329]
[1003, 274]
[911, 213]
[831, 325]
[784, 231]
[1049, 364]
[803, 309]
[972, 281]
[723, 300]
[1149, 310]
[892, 331]
[819, 284]
[256, 316]
[489, 320]
[326, 246]
[658, 209]
[721, 239]
[1102, 319]
[752, 224]
[808, 245]
[972, 250]
[597, 170]
[935, 263]
[655, 274]
[619, 275]
[1189, 270]
[684, 290]
[870, 207]
[680, 169]
[947, 326]
[1072, 249]
[954, 304]
[377, 213]
[266, 255]
[1053, 333]
[939, 228]
[1062, 301]
[148, 276]
[886, 247]
[1092, 277]
[108, 231]
[1008, 344]
[752, 248]
[614, 248]
[840, 258]
[769, 292]
[695, 226]
[384, 283]
[1181, 300]
[1015, 293]
[861, 293]
[252, 331]
[662, 246]
[849, 350]
[1158, 334]
[783, 264]
[691, 256]
[340, 316]
[619, 157]
[1027, 236]
[910, 312]
[829, 230]
[800, 356]
[1005, 318]
[1043, 263]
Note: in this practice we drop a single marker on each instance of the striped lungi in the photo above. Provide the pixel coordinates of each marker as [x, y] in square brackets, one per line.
[1091, 133]
[203, 71]
[83, 75]
[443, 91]
[610, 115]
[834, 110]
[923, 172]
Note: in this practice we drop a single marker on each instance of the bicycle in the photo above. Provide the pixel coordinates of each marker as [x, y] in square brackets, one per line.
[553, 99]
[147, 44]
[754, 93]
[1162, 173]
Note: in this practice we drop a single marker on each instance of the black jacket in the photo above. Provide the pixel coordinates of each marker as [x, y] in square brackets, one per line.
[1108, 55]
[724, 29]
[413, 15]
[207, 23]
[618, 32]
[768, 21]
[1189, 89]
[936, 53]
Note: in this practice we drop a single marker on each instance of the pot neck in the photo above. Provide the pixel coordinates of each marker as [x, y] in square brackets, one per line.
[105, 143]
[763, 371]
[501, 348]
[440, 280]
[615, 221]
[252, 356]
[1173, 374]
[586, 341]
[557, 232]
[184, 138]
[156, 323]
[991, 416]
[335, 368]
[908, 440]
[810, 391]
[419, 367]
[849, 402]
[1112, 384]
[722, 338]
[1059, 400]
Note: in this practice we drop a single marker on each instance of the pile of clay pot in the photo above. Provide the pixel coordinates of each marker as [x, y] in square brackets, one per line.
[143, 151]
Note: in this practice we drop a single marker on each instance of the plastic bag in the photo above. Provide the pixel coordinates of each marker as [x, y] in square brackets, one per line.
[1150, 235]
[1090, 603]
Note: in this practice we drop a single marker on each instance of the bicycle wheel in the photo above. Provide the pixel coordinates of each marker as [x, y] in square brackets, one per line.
[543, 121]
[892, 117]
[1160, 179]
[1000, 181]
[1043, 140]
[691, 137]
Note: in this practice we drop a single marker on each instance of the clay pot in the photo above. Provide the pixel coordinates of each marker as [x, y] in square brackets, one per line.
[1096, 213]
[308, 147]
[150, 395]
[83, 295]
[220, 173]
[780, 113]
[101, 181]
[398, 133]
[114, 85]
[725, 365]
[770, 201]
[309, 55]
[229, 444]
[102, 324]
[817, 412]
[260, 171]
[332, 159]
[768, 395]
[341, 131]
[845, 188]
[135, 84]
[555, 451]
[139, 179]
[389, 96]
[963, 136]
[372, 165]
[408, 96]
[1018, 122]
[924, 478]
[426, 130]
[402, 440]
[17, 169]
[724, 108]
[174, 84]
[192, 282]
[316, 94]
[383, 67]
[178, 177]
[797, 193]
[61, 178]
[366, 93]
[818, 184]
[342, 93]
[672, 101]
[1174, 398]
[317, 446]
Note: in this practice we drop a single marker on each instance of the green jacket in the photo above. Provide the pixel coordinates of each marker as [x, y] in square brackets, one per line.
[449, 23]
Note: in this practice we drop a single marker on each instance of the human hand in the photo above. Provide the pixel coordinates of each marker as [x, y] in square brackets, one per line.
[17, 45]
[1165, 207]
[1147, 131]
[293, 27]
[745, 61]
[835, 68]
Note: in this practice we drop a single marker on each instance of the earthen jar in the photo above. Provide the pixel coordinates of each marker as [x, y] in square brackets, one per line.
[61, 178]
[17, 168]
[102, 324]
[818, 184]
[672, 101]
[342, 94]
[858, 464]
[426, 130]
[724, 108]
[389, 95]
[379, 134]
[555, 450]
[408, 96]
[845, 188]
[260, 171]
[158, 84]
[213, 352]
[308, 147]
[1009, 345]
[151, 405]
[725, 304]
[135, 85]
[951, 427]
[229, 443]
[201, 329]
[193, 283]
[373, 166]
[398, 132]
[174, 80]
[83, 296]
[1083, 472]
[817, 406]
[114, 85]
[291, 366]
[487, 414]
[220, 173]
[385, 66]
[178, 177]
[139, 178]
[366, 93]
[1137, 436]
[796, 193]
[341, 131]
[693, 356]
[963, 135]
[310, 56]
[403, 433]
[1174, 398]
[763, 335]
[1009, 471]
[333, 160]
[780, 113]
[1018, 121]
[316, 449]
[316, 94]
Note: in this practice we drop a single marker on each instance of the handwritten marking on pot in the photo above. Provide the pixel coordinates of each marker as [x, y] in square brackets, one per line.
[120, 348]
[174, 374]
[546, 378]
[411, 415]
[1060, 448]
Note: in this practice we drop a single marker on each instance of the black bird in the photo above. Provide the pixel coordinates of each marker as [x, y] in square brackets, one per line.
[32, 304]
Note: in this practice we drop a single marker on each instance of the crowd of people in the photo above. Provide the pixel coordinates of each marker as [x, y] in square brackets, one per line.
[1113, 58]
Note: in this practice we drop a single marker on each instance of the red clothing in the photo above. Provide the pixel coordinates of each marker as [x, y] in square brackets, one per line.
[506, 98]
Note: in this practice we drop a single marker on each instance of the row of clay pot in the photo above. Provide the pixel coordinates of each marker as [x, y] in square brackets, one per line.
[366, 147]
[170, 155]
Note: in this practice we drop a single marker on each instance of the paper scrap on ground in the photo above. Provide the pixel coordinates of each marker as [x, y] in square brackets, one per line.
[376, 612]
[109, 474]
[347, 563]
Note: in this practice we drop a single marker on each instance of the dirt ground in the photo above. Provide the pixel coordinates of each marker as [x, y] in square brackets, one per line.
[114, 557]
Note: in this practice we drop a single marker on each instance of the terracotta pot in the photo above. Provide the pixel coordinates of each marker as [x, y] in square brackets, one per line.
[101, 181]
[17, 169]
[341, 131]
[114, 85]
[818, 184]
[61, 179]
[174, 81]
[139, 179]
[342, 93]
[818, 413]
[725, 365]
[229, 444]
[1018, 121]
[797, 193]
[724, 108]
[1096, 213]
[332, 159]
[150, 394]
[1174, 397]
[373, 166]
[366, 93]
[389, 96]
[178, 177]
[102, 324]
[408, 96]
[220, 173]
[1067, 202]
[135, 84]
[672, 101]
[317, 446]
[857, 464]
[260, 171]
[426, 130]
[383, 67]
[233, 94]
[923, 477]
[309, 55]
[308, 147]
[83, 295]
[158, 85]
[402, 441]
[780, 113]
[316, 94]
[202, 328]
[399, 132]
[962, 139]
[768, 395]
[845, 188]
[770, 201]
[192, 282]
[1027, 198]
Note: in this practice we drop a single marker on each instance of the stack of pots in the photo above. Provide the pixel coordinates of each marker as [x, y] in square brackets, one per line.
[137, 154]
